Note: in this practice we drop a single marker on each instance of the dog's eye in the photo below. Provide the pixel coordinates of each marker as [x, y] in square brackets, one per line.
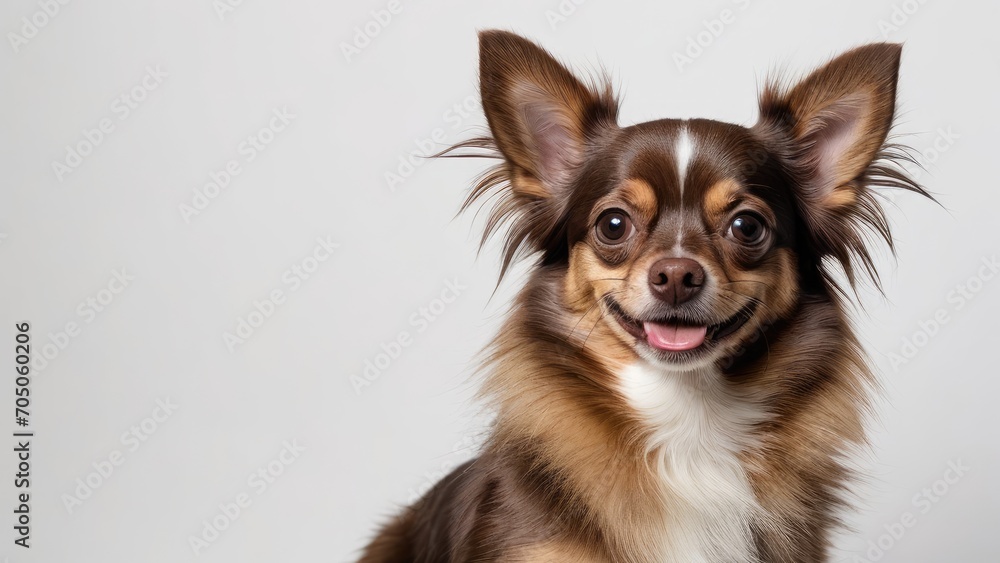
[614, 227]
[747, 229]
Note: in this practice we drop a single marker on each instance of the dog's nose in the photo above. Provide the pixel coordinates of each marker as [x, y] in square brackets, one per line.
[676, 280]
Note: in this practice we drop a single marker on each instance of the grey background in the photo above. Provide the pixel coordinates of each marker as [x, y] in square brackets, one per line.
[162, 336]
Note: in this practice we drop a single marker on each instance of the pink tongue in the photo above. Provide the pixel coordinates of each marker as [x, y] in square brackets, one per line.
[674, 337]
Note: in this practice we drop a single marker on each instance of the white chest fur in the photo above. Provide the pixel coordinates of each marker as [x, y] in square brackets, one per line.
[698, 425]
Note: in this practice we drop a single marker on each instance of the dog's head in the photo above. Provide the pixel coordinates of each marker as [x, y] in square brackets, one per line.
[688, 236]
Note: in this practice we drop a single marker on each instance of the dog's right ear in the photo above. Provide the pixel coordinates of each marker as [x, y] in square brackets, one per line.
[541, 116]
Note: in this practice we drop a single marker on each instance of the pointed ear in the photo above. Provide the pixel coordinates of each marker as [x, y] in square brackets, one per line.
[838, 119]
[541, 116]
[831, 129]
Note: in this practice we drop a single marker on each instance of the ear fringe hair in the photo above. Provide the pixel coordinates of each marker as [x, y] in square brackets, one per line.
[845, 241]
[492, 190]
[866, 221]
[525, 222]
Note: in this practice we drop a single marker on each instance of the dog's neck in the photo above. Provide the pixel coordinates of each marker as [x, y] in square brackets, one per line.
[697, 427]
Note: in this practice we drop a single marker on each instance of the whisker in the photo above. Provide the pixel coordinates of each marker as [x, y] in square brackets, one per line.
[728, 295]
[589, 309]
[584, 345]
[583, 316]
[598, 320]
[767, 345]
[734, 282]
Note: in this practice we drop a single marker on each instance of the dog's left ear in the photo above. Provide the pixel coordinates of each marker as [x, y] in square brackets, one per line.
[831, 127]
[838, 118]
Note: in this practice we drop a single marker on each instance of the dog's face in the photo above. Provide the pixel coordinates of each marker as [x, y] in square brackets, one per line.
[688, 237]
[683, 234]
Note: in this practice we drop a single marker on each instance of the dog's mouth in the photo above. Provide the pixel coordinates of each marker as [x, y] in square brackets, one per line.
[674, 334]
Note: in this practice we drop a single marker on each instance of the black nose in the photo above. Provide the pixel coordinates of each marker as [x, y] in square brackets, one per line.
[676, 280]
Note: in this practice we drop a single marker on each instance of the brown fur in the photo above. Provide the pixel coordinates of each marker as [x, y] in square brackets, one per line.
[568, 474]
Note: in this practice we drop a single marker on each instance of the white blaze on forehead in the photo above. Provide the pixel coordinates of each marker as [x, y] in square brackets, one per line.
[683, 151]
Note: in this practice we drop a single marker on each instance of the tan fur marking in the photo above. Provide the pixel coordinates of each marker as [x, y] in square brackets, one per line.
[718, 196]
[582, 295]
[840, 197]
[641, 195]
[525, 184]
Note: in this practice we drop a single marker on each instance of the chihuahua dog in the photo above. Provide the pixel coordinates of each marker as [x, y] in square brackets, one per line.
[678, 380]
